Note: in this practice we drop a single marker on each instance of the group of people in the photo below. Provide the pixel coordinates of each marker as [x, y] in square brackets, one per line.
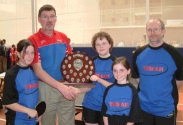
[157, 68]
[7, 59]
[7, 55]
[3, 57]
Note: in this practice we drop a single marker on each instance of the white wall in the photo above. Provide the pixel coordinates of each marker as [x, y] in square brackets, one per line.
[81, 19]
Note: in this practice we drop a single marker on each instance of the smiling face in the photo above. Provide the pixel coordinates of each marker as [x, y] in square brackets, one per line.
[155, 32]
[47, 19]
[102, 47]
[26, 56]
[121, 70]
[120, 73]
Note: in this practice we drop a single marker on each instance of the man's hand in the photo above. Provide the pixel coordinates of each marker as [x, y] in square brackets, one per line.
[68, 92]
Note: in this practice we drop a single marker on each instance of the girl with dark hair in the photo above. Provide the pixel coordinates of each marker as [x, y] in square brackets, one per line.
[20, 94]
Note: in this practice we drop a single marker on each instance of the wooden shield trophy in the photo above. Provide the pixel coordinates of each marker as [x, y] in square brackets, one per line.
[77, 68]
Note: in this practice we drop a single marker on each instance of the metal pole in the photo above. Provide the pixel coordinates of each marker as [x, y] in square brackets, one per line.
[147, 15]
[33, 21]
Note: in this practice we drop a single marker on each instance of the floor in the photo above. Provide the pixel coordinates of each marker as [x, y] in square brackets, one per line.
[78, 114]
[180, 107]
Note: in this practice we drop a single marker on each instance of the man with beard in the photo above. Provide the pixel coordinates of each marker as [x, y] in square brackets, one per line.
[51, 48]
[158, 69]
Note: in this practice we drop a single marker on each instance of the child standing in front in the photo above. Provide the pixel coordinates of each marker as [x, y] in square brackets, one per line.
[20, 94]
[121, 103]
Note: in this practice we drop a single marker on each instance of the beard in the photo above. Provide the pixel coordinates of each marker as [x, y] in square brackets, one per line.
[155, 39]
[155, 42]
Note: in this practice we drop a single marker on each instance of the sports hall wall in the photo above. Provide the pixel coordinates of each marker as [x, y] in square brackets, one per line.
[116, 51]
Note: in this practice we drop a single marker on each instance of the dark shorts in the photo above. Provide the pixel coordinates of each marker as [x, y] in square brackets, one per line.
[9, 123]
[158, 120]
[92, 116]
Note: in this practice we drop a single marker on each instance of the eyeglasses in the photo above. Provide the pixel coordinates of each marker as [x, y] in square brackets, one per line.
[102, 44]
[46, 17]
[155, 30]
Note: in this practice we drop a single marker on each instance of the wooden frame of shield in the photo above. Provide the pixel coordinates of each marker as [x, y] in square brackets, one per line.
[77, 68]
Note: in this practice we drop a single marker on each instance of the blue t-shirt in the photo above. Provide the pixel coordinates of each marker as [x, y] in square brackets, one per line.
[20, 86]
[158, 69]
[121, 104]
[50, 51]
[103, 69]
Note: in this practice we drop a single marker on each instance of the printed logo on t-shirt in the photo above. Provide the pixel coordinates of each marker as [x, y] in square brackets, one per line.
[31, 87]
[42, 42]
[119, 106]
[154, 69]
[103, 76]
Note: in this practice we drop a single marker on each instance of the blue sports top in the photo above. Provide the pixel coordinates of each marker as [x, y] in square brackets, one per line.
[51, 51]
[121, 103]
[20, 86]
[103, 69]
[158, 69]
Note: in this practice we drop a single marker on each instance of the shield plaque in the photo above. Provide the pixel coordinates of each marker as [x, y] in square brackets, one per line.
[77, 67]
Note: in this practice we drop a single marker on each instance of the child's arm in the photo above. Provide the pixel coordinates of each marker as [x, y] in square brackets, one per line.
[105, 120]
[103, 82]
[130, 123]
[92, 78]
[80, 90]
[19, 108]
